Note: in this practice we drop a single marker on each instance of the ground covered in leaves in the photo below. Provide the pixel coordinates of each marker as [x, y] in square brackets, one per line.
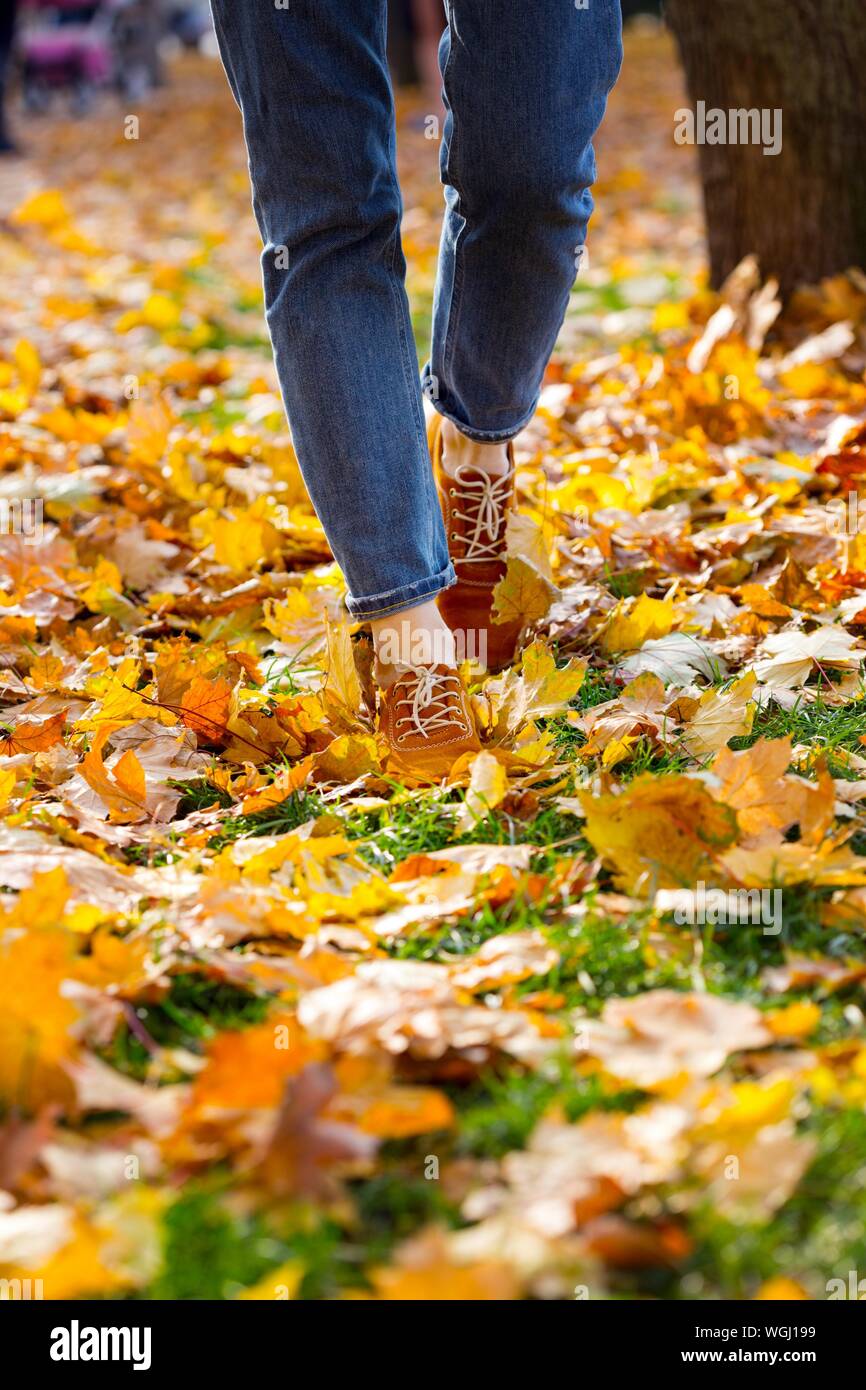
[274, 1026]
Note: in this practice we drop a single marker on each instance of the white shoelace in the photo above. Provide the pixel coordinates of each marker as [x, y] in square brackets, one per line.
[428, 699]
[488, 496]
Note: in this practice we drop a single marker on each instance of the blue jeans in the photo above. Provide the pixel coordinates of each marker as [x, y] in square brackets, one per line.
[525, 85]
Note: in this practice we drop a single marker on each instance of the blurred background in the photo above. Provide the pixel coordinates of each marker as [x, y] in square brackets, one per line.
[122, 109]
[802, 212]
[64, 54]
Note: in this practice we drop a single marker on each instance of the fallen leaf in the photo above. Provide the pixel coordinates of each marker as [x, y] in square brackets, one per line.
[205, 706]
[663, 1036]
[659, 832]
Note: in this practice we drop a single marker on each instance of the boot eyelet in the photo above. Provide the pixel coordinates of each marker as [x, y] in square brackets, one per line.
[454, 536]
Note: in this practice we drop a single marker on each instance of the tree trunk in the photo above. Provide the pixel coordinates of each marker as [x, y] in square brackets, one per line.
[801, 211]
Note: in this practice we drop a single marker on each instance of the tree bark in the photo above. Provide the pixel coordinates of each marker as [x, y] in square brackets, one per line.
[802, 211]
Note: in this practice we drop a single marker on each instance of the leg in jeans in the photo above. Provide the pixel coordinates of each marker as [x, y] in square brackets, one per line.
[525, 88]
[312, 84]
[526, 83]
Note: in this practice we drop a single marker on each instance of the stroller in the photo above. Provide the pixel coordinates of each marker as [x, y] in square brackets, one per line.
[82, 47]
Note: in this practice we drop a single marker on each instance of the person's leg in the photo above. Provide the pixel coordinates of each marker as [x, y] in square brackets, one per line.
[318, 117]
[314, 92]
[526, 87]
[525, 90]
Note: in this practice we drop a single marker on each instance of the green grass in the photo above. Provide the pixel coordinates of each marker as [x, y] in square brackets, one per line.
[498, 1113]
[386, 837]
[210, 1250]
[833, 730]
[296, 810]
[192, 1012]
[215, 1244]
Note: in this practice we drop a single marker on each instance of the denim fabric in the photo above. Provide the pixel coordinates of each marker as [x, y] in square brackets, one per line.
[525, 83]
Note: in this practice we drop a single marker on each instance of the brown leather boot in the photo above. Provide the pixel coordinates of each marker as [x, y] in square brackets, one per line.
[427, 721]
[475, 507]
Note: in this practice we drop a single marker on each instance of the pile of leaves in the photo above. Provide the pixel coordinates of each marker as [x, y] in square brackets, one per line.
[273, 1025]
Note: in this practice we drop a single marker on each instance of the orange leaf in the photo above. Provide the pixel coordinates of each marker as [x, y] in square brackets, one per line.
[206, 706]
[34, 737]
[129, 776]
[36, 1018]
[248, 1070]
[287, 781]
[124, 797]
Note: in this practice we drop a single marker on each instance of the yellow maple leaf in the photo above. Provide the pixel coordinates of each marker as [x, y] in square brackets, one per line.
[537, 690]
[720, 716]
[46, 671]
[43, 903]
[660, 832]
[347, 757]
[488, 784]
[26, 359]
[781, 1290]
[241, 539]
[36, 1020]
[796, 1020]
[523, 595]
[342, 694]
[47, 208]
[633, 623]
[7, 786]
[426, 1271]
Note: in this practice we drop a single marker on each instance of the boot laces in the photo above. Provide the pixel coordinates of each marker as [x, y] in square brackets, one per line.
[486, 497]
[428, 693]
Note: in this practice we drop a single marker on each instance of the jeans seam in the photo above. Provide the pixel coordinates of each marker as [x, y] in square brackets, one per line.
[488, 436]
[405, 355]
[404, 588]
[455, 300]
[410, 373]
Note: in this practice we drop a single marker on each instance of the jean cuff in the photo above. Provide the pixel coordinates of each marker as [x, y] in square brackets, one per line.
[482, 436]
[398, 600]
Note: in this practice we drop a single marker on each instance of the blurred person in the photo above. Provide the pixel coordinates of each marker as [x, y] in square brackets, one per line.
[421, 547]
[138, 29]
[8, 11]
